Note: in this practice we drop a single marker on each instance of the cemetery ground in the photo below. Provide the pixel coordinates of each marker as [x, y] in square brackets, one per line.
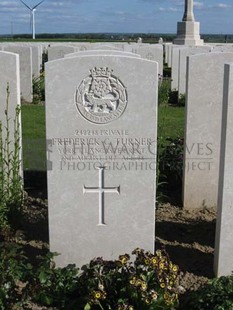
[186, 235]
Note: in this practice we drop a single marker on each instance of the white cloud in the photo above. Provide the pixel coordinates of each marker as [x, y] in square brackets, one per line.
[223, 6]
[169, 9]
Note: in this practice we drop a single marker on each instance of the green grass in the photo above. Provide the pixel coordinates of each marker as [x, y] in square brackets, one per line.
[33, 121]
[171, 121]
[34, 140]
[170, 124]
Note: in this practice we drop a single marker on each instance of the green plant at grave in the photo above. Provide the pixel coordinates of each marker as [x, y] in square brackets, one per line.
[163, 90]
[38, 85]
[149, 282]
[218, 295]
[14, 273]
[173, 97]
[176, 99]
[53, 286]
[171, 159]
[11, 189]
[182, 100]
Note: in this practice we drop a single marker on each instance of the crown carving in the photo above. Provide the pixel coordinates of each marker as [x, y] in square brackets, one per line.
[104, 71]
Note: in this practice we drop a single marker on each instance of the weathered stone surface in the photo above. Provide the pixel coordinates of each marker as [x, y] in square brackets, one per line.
[25, 58]
[102, 52]
[101, 173]
[148, 51]
[10, 90]
[223, 263]
[183, 54]
[59, 51]
[203, 128]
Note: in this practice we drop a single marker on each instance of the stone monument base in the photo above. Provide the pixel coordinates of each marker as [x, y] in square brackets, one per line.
[188, 33]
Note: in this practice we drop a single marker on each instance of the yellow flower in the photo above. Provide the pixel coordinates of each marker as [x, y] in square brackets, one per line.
[138, 282]
[144, 286]
[154, 260]
[124, 259]
[97, 295]
[175, 268]
[162, 285]
[166, 296]
[131, 308]
[132, 280]
[147, 300]
[146, 261]
[161, 265]
[159, 253]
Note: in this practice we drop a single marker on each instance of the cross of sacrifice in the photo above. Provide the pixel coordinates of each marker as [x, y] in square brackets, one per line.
[101, 190]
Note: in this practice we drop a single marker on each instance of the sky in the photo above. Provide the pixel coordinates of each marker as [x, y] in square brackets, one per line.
[140, 16]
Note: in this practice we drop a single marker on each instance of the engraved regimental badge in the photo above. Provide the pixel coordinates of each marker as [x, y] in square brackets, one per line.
[101, 97]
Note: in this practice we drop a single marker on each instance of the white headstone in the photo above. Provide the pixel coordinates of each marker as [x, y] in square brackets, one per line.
[223, 263]
[101, 182]
[105, 47]
[175, 67]
[223, 48]
[25, 59]
[166, 45]
[59, 51]
[148, 51]
[36, 61]
[10, 86]
[205, 76]
[102, 52]
[183, 54]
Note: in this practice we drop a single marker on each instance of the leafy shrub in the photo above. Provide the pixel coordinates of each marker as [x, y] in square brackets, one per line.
[181, 101]
[171, 160]
[176, 99]
[166, 71]
[13, 265]
[218, 295]
[38, 89]
[53, 286]
[147, 283]
[173, 97]
[164, 91]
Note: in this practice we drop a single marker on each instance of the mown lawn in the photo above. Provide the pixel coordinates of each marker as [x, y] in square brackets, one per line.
[34, 141]
[170, 124]
[171, 121]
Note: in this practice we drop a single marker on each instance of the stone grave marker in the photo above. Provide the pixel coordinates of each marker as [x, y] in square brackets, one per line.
[25, 59]
[10, 88]
[166, 51]
[223, 264]
[102, 156]
[101, 52]
[59, 51]
[203, 128]
[175, 66]
[183, 54]
[148, 51]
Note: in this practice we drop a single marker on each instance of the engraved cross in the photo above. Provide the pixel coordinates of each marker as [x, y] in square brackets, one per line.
[101, 190]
